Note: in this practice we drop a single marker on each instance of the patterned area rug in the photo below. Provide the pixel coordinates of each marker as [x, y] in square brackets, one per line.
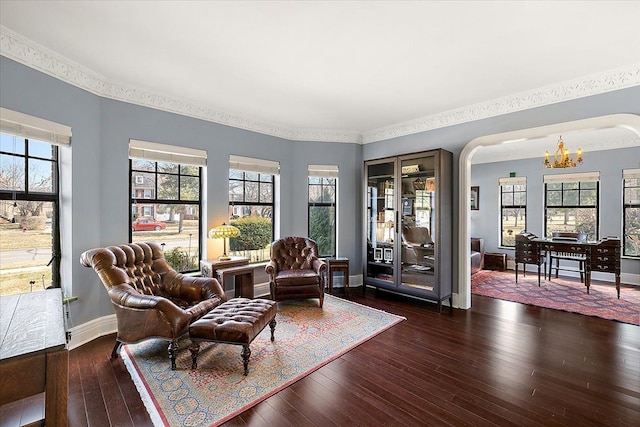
[306, 338]
[561, 294]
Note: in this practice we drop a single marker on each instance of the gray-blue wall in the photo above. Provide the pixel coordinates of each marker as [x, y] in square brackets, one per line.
[95, 171]
[455, 138]
[610, 163]
[96, 168]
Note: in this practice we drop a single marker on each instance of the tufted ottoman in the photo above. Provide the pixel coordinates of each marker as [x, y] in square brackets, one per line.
[237, 321]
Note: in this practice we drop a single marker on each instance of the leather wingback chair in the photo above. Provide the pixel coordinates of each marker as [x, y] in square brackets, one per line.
[295, 271]
[417, 246]
[477, 254]
[151, 299]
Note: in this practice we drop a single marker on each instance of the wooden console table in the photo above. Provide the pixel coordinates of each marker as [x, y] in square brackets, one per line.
[33, 354]
[236, 267]
[243, 275]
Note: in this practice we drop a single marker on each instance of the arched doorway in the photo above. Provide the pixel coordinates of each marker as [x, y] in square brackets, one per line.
[630, 122]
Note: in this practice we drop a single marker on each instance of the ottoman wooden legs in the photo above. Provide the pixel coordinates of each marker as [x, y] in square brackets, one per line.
[237, 321]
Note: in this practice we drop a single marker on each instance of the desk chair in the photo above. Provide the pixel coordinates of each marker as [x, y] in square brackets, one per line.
[568, 256]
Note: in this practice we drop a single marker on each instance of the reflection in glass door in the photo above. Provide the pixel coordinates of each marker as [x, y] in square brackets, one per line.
[417, 229]
[381, 221]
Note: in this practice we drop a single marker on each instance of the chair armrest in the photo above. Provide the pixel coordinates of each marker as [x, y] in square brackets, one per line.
[191, 289]
[127, 296]
[320, 266]
[271, 269]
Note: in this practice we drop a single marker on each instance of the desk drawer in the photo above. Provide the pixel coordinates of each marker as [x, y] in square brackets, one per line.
[571, 249]
[603, 266]
[603, 263]
[600, 251]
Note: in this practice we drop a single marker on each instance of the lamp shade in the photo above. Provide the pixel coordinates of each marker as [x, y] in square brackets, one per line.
[223, 231]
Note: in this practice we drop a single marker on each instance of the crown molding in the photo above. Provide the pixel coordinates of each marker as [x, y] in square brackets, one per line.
[27, 52]
[565, 91]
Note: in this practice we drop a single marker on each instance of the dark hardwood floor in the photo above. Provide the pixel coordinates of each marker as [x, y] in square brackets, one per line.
[500, 363]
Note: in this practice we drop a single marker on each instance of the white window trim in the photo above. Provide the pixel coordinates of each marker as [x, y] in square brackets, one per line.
[572, 177]
[328, 171]
[146, 150]
[520, 180]
[31, 127]
[249, 164]
[631, 173]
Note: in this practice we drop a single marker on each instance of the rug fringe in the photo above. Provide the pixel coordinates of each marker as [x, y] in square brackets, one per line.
[152, 410]
[366, 306]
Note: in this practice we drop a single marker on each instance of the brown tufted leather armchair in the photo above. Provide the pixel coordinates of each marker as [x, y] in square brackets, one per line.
[150, 298]
[417, 246]
[295, 271]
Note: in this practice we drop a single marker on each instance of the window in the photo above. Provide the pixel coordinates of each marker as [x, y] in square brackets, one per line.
[571, 203]
[252, 185]
[166, 184]
[631, 214]
[323, 181]
[513, 209]
[29, 202]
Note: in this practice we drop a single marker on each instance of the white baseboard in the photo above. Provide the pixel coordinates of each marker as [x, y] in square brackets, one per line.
[93, 329]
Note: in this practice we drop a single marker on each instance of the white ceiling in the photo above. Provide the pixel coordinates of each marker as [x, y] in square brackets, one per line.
[590, 141]
[332, 70]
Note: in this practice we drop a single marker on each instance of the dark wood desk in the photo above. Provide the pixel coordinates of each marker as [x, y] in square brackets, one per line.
[602, 256]
[33, 354]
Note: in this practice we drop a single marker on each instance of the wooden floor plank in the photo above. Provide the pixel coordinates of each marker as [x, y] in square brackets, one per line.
[500, 363]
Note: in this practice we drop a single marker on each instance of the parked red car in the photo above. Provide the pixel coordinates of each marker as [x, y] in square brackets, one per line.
[143, 224]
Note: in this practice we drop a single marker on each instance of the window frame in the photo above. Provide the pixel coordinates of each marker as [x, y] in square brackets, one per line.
[333, 204]
[628, 176]
[161, 201]
[39, 196]
[513, 182]
[243, 202]
[571, 181]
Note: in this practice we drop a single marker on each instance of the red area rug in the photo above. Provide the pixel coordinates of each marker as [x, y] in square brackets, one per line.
[306, 338]
[561, 294]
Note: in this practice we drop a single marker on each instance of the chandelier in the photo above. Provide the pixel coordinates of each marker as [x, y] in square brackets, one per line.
[561, 158]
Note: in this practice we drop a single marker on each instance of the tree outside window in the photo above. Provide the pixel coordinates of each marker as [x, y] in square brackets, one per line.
[29, 230]
[513, 208]
[572, 207]
[251, 208]
[322, 213]
[165, 207]
[631, 214]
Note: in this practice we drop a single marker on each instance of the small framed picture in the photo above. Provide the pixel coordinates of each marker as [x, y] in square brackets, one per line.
[475, 198]
[407, 207]
[377, 254]
[388, 255]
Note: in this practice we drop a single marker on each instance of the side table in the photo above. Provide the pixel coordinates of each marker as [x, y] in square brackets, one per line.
[495, 261]
[340, 264]
[236, 266]
[243, 276]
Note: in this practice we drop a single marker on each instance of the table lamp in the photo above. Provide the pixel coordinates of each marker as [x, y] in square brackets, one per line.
[224, 231]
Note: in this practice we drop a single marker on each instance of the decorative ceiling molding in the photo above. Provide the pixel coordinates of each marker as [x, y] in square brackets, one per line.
[27, 52]
[585, 86]
[493, 154]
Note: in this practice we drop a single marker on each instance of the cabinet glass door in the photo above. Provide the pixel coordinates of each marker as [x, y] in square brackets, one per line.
[417, 230]
[381, 221]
